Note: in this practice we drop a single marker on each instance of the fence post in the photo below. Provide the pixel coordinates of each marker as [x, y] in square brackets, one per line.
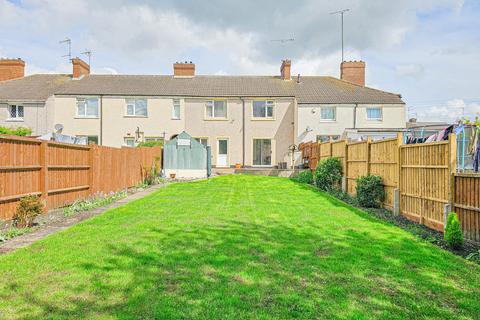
[345, 159]
[447, 208]
[452, 151]
[399, 169]
[369, 142]
[44, 173]
[396, 202]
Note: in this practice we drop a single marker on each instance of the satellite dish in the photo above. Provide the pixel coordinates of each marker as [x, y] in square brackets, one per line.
[58, 127]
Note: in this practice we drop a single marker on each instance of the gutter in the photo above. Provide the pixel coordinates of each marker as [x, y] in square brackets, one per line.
[355, 116]
[243, 131]
[100, 138]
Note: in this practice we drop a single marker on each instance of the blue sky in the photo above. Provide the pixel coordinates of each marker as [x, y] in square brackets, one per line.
[427, 50]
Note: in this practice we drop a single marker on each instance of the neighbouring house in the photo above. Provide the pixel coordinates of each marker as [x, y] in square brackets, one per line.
[247, 120]
[27, 101]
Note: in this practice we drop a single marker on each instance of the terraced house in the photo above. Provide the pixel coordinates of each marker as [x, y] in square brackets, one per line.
[247, 120]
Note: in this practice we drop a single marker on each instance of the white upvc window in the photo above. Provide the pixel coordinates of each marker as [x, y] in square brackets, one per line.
[129, 142]
[374, 113]
[263, 109]
[327, 113]
[87, 107]
[216, 109]
[136, 107]
[176, 109]
[16, 112]
[203, 141]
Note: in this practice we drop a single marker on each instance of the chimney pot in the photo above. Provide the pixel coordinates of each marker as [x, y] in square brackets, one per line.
[185, 69]
[80, 68]
[353, 71]
[11, 69]
[285, 69]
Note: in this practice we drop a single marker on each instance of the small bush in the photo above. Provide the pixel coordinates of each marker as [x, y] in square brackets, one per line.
[453, 231]
[328, 175]
[27, 210]
[305, 177]
[370, 191]
[20, 131]
[157, 143]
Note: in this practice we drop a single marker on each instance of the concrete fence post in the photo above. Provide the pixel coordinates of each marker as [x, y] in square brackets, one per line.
[396, 202]
[344, 184]
[447, 208]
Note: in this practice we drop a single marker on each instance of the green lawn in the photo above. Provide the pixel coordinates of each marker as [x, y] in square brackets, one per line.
[236, 247]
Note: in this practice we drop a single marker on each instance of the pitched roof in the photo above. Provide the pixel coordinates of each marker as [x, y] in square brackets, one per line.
[36, 87]
[311, 89]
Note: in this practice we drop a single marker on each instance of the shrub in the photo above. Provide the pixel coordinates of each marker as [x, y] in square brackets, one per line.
[453, 232]
[20, 131]
[158, 143]
[370, 192]
[27, 210]
[328, 175]
[305, 177]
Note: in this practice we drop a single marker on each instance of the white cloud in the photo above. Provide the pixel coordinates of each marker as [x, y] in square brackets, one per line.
[410, 70]
[454, 110]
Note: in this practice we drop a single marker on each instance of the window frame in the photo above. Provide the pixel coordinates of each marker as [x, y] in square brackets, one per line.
[86, 116]
[268, 103]
[334, 114]
[135, 115]
[374, 119]
[211, 103]
[176, 103]
[16, 118]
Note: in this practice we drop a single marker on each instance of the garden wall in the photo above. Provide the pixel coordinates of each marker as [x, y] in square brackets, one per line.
[62, 173]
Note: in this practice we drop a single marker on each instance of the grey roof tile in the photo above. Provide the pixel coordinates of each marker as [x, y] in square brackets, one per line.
[311, 89]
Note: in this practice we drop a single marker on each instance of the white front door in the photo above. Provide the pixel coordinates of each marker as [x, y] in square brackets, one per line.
[222, 153]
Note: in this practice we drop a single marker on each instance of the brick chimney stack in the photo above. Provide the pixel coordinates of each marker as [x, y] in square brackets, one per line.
[353, 71]
[285, 69]
[80, 68]
[184, 69]
[11, 69]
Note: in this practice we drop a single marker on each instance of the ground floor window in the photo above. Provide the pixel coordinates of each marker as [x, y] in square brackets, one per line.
[203, 141]
[325, 138]
[129, 141]
[90, 139]
[262, 152]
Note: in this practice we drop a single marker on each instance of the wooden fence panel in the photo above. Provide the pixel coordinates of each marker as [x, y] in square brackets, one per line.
[20, 172]
[384, 163]
[357, 163]
[467, 204]
[62, 173]
[425, 182]
[68, 173]
[339, 151]
[324, 150]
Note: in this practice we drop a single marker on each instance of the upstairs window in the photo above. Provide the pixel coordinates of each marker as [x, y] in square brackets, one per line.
[87, 107]
[176, 109]
[136, 107]
[16, 112]
[327, 113]
[216, 109]
[374, 114]
[263, 109]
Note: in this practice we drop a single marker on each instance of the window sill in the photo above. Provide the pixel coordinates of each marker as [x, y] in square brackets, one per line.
[175, 119]
[328, 121]
[129, 116]
[91, 118]
[215, 119]
[14, 120]
[375, 120]
[263, 119]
